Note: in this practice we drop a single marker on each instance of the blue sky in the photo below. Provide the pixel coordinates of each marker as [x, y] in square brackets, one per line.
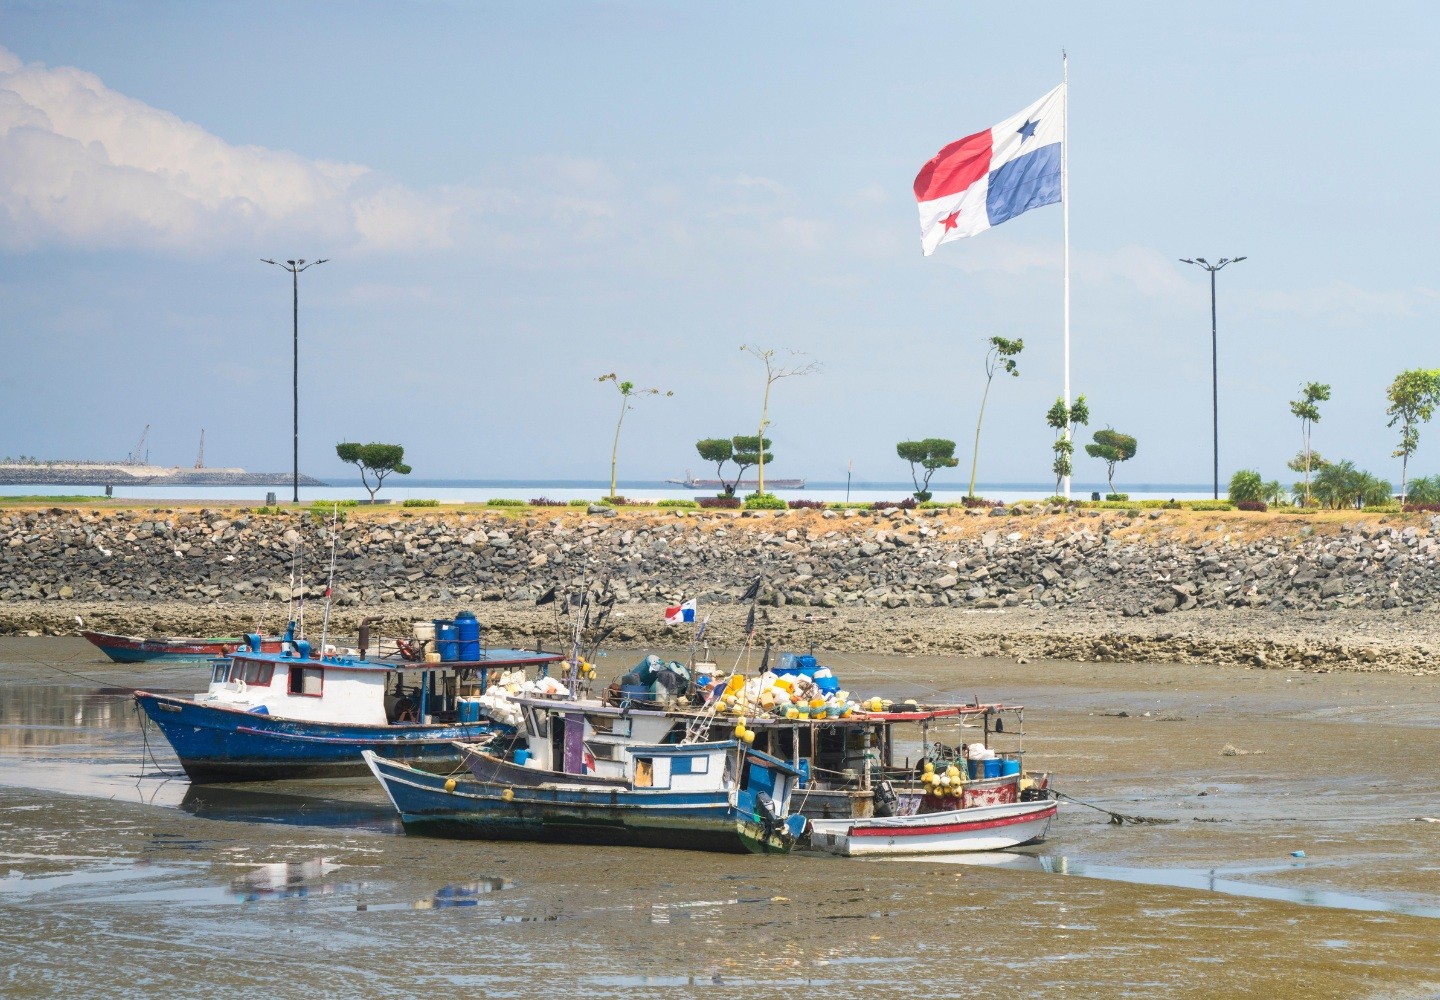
[518, 198]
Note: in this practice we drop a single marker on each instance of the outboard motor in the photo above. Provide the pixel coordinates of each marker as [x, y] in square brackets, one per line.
[885, 799]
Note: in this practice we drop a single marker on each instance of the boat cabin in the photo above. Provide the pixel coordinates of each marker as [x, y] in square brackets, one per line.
[347, 687]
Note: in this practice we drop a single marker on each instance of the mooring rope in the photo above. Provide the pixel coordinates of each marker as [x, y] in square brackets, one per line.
[1116, 818]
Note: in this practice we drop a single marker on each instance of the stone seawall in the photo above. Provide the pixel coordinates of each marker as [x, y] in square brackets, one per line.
[1153, 584]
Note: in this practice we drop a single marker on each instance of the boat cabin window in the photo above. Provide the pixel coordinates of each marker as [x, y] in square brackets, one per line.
[644, 772]
[690, 765]
[307, 681]
[602, 751]
[218, 675]
[255, 673]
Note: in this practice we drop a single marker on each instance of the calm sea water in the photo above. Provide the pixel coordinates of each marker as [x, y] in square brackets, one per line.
[480, 490]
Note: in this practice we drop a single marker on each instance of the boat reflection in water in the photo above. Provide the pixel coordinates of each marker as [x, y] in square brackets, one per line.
[285, 880]
[225, 802]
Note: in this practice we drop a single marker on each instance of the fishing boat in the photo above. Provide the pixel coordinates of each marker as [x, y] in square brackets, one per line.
[140, 649]
[881, 778]
[720, 796]
[300, 713]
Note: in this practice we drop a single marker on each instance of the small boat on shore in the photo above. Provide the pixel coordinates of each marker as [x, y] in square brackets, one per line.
[953, 831]
[292, 714]
[140, 649]
[719, 796]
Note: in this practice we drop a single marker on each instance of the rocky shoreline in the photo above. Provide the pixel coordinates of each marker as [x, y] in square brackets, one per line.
[1332, 591]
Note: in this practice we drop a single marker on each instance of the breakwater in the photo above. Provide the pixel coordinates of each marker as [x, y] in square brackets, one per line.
[1225, 586]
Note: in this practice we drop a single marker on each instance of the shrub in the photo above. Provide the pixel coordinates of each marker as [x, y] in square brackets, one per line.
[547, 502]
[328, 504]
[969, 501]
[1259, 505]
[416, 502]
[764, 501]
[722, 503]
[577, 503]
[678, 502]
[909, 503]
[504, 502]
[806, 504]
[1381, 508]
[1247, 484]
[1422, 508]
[1117, 497]
[1210, 505]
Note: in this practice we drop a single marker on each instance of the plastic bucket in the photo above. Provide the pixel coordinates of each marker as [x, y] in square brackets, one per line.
[992, 767]
[974, 769]
[1009, 767]
[522, 757]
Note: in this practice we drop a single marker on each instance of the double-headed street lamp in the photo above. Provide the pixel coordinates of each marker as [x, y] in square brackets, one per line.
[295, 267]
[1214, 356]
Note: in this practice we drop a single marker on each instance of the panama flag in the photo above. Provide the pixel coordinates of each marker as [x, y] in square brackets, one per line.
[986, 178]
[681, 613]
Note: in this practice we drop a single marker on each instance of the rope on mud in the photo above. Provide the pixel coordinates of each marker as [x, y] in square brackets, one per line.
[51, 665]
[1116, 819]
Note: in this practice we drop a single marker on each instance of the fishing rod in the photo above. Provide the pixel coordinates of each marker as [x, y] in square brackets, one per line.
[329, 585]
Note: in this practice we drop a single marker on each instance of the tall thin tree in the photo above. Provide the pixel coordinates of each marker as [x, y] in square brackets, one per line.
[628, 393]
[774, 372]
[1307, 408]
[1413, 397]
[999, 357]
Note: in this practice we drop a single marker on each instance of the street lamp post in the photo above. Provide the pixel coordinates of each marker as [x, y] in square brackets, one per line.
[295, 267]
[1214, 358]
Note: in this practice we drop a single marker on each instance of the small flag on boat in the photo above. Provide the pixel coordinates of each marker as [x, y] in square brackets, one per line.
[681, 613]
[750, 621]
[752, 591]
[546, 598]
[992, 176]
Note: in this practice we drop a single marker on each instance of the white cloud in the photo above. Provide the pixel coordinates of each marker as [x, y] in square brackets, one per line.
[1343, 303]
[83, 165]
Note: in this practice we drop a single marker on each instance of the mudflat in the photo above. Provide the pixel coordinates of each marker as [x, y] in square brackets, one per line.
[124, 881]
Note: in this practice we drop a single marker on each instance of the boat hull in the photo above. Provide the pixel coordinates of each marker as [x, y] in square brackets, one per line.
[137, 649]
[217, 744]
[573, 814]
[981, 828]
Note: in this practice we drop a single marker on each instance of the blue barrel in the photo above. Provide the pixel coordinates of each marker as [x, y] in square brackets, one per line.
[445, 641]
[1009, 767]
[992, 767]
[467, 629]
[974, 769]
[522, 756]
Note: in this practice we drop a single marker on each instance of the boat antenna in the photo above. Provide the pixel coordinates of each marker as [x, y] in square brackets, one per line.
[329, 584]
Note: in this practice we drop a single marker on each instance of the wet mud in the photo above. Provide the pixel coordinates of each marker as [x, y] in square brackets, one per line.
[117, 879]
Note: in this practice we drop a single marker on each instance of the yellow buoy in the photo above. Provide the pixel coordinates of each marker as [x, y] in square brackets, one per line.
[449, 784]
[748, 736]
[508, 795]
[929, 767]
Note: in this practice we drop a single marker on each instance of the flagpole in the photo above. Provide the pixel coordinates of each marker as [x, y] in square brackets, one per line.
[1065, 215]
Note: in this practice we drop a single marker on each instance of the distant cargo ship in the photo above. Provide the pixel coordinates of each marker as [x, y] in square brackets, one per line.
[691, 483]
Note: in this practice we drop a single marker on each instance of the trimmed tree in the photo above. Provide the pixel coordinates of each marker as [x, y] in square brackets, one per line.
[719, 451]
[1000, 357]
[1112, 448]
[750, 451]
[1413, 397]
[378, 460]
[628, 394]
[1065, 420]
[929, 454]
[1307, 408]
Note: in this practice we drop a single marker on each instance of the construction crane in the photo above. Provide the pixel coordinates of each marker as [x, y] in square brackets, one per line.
[200, 459]
[137, 456]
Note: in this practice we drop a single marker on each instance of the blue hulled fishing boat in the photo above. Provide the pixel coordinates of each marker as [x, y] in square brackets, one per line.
[719, 796]
[294, 714]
